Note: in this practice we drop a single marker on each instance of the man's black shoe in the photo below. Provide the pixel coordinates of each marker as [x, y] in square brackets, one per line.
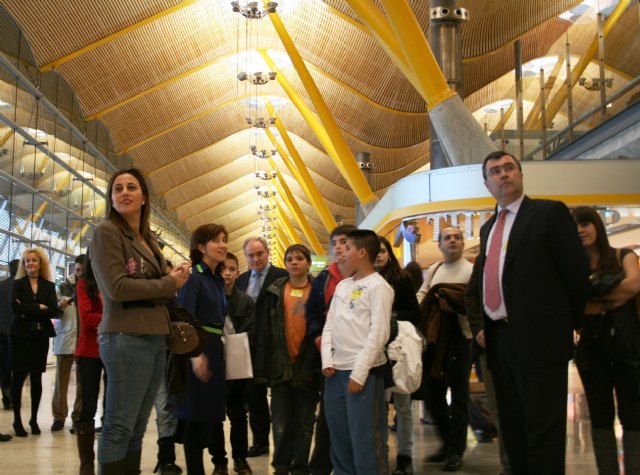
[57, 425]
[5, 437]
[454, 463]
[258, 450]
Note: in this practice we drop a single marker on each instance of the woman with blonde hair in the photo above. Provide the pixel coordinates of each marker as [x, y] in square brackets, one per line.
[34, 303]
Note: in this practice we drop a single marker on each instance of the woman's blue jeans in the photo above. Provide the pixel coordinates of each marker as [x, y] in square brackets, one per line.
[135, 366]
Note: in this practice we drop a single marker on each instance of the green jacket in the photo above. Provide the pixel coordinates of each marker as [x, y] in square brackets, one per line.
[272, 363]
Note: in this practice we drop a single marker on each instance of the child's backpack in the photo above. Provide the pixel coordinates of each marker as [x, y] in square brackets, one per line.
[405, 355]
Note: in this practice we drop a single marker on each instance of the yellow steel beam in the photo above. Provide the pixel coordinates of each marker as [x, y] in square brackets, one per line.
[301, 174]
[113, 36]
[292, 204]
[283, 238]
[344, 156]
[535, 112]
[379, 27]
[432, 84]
[290, 232]
[556, 103]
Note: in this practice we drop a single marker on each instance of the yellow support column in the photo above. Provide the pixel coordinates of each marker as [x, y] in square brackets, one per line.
[287, 197]
[433, 85]
[556, 103]
[379, 27]
[353, 175]
[302, 176]
[289, 231]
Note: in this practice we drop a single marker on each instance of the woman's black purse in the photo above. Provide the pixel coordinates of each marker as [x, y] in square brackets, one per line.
[604, 283]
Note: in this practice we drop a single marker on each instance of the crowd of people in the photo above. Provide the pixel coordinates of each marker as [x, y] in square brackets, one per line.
[545, 278]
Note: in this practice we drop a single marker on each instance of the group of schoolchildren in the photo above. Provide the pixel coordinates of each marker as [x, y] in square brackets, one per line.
[337, 324]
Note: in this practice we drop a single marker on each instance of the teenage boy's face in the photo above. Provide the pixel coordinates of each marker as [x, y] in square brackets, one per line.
[352, 256]
[296, 264]
[230, 272]
[339, 247]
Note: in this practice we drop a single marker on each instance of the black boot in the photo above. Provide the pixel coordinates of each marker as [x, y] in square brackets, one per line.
[86, 437]
[132, 463]
[167, 457]
[605, 451]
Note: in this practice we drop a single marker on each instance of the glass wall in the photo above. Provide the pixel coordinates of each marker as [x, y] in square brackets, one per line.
[54, 166]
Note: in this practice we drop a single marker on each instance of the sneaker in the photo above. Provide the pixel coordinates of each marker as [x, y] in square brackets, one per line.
[57, 425]
[220, 469]
[241, 467]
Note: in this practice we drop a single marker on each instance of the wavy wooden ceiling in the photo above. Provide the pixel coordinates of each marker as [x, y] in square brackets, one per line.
[189, 135]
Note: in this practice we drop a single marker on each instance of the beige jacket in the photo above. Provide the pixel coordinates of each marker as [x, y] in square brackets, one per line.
[133, 282]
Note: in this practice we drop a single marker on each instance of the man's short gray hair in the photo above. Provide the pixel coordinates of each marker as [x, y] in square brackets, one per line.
[256, 238]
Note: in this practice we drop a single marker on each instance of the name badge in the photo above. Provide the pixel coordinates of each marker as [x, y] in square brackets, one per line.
[297, 293]
[355, 295]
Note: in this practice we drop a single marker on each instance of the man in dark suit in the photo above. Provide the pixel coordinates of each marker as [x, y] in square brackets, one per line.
[530, 280]
[254, 282]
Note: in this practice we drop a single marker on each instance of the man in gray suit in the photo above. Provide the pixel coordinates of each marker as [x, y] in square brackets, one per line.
[254, 281]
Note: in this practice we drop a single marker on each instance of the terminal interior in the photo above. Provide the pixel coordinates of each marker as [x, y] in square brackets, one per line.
[285, 119]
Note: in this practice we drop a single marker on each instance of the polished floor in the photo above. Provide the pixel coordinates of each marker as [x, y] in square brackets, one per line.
[55, 453]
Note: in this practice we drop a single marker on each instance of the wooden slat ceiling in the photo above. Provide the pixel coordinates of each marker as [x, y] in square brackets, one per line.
[188, 133]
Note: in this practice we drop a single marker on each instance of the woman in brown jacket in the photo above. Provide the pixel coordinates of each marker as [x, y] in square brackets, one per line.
[132, 276]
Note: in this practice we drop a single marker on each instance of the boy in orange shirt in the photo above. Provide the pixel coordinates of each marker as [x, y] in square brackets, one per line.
[282, 360]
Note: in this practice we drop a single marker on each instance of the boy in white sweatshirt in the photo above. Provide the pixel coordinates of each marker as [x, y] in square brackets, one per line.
[353, 362]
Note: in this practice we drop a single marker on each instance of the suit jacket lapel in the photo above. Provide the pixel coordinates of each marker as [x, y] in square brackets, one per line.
[523, 218]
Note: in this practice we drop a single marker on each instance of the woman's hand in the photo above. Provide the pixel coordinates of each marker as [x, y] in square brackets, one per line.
[43, 306]
[180, 274]
[200, 366]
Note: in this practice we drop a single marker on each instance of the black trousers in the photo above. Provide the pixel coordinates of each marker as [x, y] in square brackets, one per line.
[532, 404]
[259, 415]
[451, 421]
[237, 413]
[91, 370]
[320, 462]
[604, 377]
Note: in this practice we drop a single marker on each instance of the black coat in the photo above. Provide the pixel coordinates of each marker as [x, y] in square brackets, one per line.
[26, 307]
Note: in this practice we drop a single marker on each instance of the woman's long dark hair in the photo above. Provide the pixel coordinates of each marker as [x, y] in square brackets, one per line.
[114, 216]
[391, 271]
[608, 258]
[90, 280]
